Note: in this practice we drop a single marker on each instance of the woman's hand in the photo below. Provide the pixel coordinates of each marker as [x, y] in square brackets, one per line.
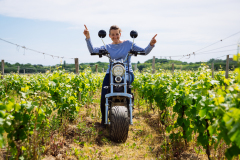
[153, 41]
[86, 32]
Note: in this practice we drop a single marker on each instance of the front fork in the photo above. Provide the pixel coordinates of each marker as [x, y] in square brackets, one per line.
[106, 111]
[130, 110]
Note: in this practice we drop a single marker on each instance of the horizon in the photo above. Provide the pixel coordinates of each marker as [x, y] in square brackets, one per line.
[230, 59]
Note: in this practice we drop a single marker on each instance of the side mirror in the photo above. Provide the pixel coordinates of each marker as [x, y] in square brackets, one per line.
[133, 34]
[102, 33]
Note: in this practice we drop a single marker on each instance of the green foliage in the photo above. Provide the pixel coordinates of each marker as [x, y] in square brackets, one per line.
[202, 104]
[35, 97]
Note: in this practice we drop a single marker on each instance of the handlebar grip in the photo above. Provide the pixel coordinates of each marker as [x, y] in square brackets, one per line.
[141, 53]
[93, 54]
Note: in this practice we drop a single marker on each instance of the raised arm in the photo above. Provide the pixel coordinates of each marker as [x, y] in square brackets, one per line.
[148, 49]
[89, 43]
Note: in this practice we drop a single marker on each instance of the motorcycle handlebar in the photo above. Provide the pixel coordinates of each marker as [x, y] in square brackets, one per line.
[135, 53]
[141, 53]
[93, 54]
[102, 52]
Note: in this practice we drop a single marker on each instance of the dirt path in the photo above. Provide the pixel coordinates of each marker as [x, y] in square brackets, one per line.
[85, 139]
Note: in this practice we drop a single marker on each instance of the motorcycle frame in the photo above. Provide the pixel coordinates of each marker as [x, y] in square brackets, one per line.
[117, 94]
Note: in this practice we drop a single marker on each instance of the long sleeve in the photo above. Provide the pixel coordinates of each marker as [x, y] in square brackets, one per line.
[119, 51]
[91, 48]
[147, 50]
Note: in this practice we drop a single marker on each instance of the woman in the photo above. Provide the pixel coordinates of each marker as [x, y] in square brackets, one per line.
[118, 49]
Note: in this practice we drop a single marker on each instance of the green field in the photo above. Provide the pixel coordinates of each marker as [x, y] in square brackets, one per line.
[180, 115]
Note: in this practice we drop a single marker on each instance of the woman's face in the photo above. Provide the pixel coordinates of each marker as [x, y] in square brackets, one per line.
[115, 36]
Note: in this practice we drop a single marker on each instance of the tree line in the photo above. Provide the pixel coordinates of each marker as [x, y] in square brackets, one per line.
[102, 66]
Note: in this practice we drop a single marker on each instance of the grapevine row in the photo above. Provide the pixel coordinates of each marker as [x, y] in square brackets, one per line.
[199, 103]
[28, 101]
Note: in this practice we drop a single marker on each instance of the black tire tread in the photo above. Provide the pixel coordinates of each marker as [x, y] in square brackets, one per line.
[119, 125]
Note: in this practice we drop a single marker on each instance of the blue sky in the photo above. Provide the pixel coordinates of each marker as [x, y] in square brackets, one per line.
[56, 27]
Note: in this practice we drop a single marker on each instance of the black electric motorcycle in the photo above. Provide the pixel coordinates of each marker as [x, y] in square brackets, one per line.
[119, 99]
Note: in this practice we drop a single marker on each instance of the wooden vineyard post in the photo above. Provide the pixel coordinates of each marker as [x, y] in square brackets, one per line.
[103, 70]
[23, 71]
[173, 68]
[212, 70]
[79, 96]
[77, 65]
[18, 69]
[208, 134]
[227, 68]
[135, 67]
[181, 67]
[153, 65]
[96, 68]
[2, 69]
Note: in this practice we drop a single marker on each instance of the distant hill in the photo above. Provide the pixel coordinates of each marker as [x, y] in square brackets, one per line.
[102, 66]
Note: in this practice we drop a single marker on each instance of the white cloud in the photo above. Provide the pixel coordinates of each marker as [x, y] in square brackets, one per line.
[186, 24]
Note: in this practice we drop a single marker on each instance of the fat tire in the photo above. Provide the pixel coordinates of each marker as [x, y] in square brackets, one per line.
[119, 125]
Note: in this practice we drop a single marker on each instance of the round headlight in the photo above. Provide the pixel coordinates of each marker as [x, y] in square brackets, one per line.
[118, 70]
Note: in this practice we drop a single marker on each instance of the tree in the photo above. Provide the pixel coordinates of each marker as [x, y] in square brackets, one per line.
[211, 60]
[64, 64]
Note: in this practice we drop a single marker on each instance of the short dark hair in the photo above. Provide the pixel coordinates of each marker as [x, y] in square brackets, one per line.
[114, 27]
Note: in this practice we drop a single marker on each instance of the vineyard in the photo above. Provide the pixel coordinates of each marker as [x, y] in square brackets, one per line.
[180, 115]
[194, 107]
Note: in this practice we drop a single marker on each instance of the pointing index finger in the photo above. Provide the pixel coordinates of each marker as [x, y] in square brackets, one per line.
[155, 36]
[85, 26]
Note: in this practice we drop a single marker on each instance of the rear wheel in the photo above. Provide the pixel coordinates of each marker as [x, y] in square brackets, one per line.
[119, 125]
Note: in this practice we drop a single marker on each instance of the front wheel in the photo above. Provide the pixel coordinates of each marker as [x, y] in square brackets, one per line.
[119, 125]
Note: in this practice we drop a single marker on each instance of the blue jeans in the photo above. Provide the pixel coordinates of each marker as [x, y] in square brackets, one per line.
[105, 91]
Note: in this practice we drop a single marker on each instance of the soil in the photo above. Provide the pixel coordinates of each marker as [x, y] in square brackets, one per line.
[91, 141]
[84, 138]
